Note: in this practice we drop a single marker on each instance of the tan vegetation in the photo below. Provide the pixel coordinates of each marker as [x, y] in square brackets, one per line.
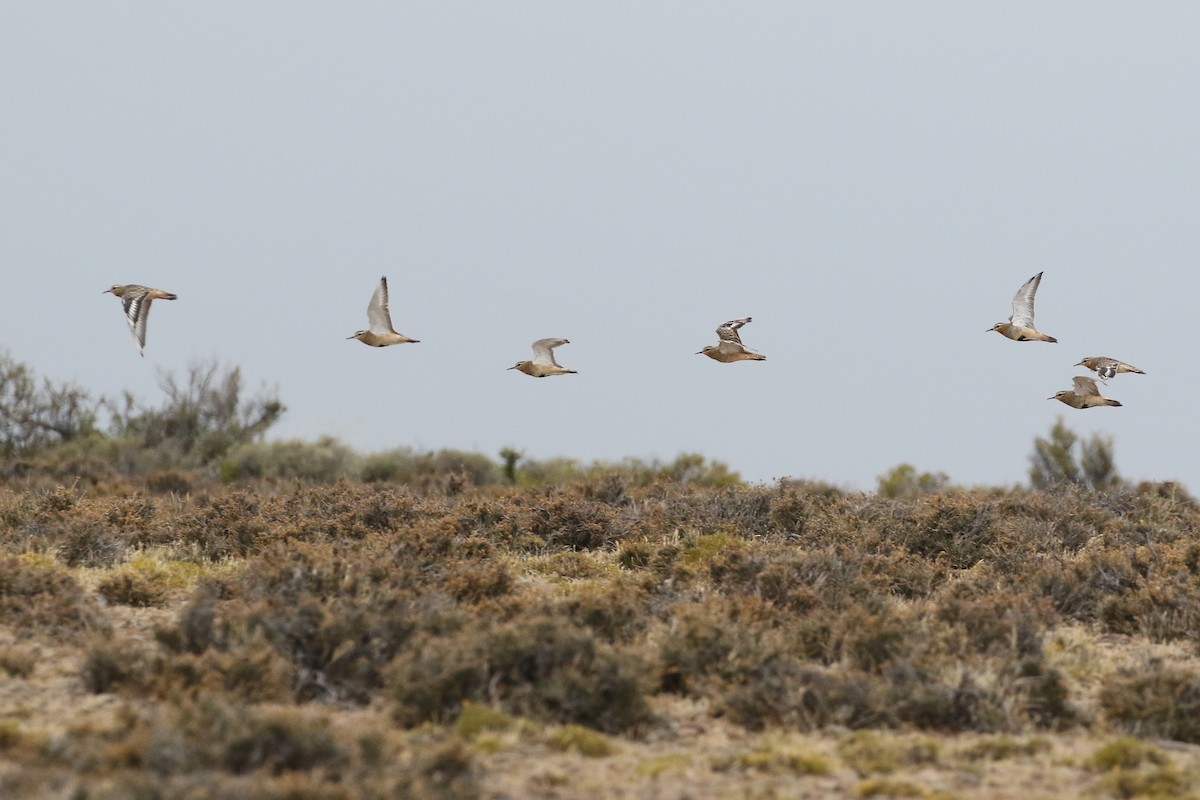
[189, 611]
[598, 638]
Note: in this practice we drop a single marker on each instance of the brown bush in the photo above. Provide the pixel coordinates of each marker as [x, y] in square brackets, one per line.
[42, 597]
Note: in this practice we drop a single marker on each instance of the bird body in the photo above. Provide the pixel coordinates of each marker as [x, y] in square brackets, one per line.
[730, 347]
[1107, 367]
[1020, 325]
[543, 364]
[1084, 395]
[380, 332]
[136, 300]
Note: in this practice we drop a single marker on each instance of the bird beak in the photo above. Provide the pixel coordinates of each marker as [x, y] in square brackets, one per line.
[699, 352]
[355, 336]
[509, 368]
[1052, 397]
[106, 291]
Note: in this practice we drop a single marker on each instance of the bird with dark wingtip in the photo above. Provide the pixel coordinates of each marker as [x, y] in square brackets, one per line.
[136, 299]
[730, 347]
[1084, 395]
[1107, 367]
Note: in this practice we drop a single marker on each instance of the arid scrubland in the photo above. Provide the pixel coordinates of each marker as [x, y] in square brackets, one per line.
[187, 611]
[603, 638]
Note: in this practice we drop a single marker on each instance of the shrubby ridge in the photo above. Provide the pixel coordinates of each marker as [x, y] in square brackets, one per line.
[278, 620]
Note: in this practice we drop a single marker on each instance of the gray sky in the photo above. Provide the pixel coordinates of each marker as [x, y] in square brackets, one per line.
[871, 182]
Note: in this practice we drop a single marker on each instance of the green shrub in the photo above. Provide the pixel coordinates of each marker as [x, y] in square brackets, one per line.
[323, 461]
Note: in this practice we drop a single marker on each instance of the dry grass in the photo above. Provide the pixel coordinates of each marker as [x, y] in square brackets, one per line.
[355, 640]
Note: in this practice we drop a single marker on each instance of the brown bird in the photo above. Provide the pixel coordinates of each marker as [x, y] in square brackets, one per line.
[1020, 325]
[380, 332]
[136, 299]
[1085, 395]
[730, 348]
[1107, 367]
[543, 364]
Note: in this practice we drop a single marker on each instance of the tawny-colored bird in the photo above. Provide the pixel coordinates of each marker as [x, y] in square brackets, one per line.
[1020, 325]
[1107, 367]
[1084, 395]
[730, 348]
[136, 299]
[380, 332]
[543, 364]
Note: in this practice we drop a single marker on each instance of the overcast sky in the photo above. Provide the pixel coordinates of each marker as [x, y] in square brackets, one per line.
[871, 182]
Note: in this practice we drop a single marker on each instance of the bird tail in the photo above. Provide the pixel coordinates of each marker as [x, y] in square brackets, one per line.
[1049, 339]
[1108, 402]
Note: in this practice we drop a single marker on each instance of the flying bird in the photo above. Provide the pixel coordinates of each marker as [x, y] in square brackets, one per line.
[137, 299]
[380, 332]
[1107, 367]
[1020, 324]
[1084, 395]
[543, 363]
[730, 347]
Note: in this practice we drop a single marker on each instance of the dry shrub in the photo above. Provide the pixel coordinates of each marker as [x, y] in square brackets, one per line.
[613, 610]
[170, 481]
[108, 665]
[1161, 701]
[698, 510]
[225, 526]
[955, 528]
[982, 619]
[444, 770]
[474, 583]
[249, 674]
[18, 661]
[282, 741]
[135, 588]
[210, 734]
[812, 513]
[572, 523]
[797, 606]
[713, 639]
[41, 597]
[540, 666]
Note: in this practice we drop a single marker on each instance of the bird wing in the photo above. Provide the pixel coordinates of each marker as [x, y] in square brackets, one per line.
[1023, 302]
[728, 332]
[378, 316]
[137, 311]
[1085, 386]
[543, 351]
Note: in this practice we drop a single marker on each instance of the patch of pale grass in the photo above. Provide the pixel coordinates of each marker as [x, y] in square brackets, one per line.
[578, 739]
